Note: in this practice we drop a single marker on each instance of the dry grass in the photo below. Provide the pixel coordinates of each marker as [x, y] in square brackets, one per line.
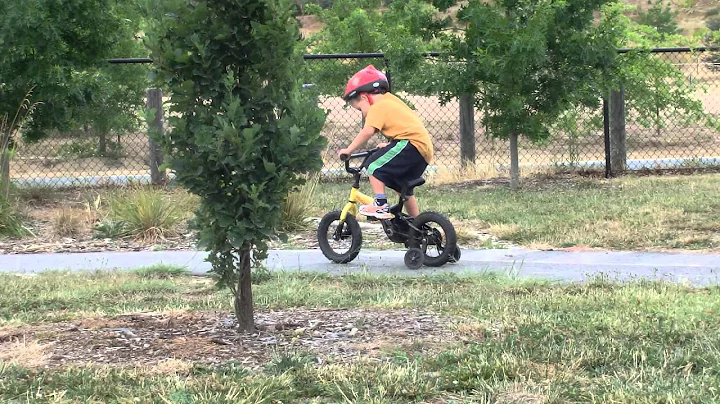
[299, 205]
[170, 367]
[477, 171]
[504, 231]
[68, 222]
[522, 393]
[24, 353]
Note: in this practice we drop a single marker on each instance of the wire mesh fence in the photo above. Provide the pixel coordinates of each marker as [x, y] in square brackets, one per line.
[666, 116]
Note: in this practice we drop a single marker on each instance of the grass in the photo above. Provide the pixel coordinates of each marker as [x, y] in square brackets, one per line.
[630, 213]
[144, 213]
[67, 223]
[11, 222]
[298, 206]
[525, 341]
[161, 271]
[626, 213]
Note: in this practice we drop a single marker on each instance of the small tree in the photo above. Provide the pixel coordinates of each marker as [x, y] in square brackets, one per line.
[712, 38]
[527, 62]
[241, 129]
[651, 82]
[112, 95]
[44, 45]
[662, 19]
[402, 32]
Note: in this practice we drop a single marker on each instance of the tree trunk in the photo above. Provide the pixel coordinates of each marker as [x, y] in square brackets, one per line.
[618, 146]
[154, 100]
[467, 130]
[102, 143]
[514, 162]
[243, 294]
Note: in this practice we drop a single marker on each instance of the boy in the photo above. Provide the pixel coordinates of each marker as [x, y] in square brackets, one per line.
[409, 151]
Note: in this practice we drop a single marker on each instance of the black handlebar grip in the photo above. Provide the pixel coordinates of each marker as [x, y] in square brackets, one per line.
[344, 157]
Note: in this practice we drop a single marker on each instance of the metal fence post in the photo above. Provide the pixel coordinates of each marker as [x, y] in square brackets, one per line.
[606, 132]
[154, 101]
[387, 73]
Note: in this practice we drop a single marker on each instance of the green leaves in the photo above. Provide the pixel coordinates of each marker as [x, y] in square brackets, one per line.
[526, 61]
[245, 129]
[59, 48]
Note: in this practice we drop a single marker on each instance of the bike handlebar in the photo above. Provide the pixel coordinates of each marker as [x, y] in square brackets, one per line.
[346, 157]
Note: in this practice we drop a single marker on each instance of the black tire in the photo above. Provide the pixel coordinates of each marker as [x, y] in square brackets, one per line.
[450, 238]
[414, 258]
[355, 233]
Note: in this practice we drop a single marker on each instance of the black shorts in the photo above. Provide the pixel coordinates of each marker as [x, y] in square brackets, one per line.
[396, 164]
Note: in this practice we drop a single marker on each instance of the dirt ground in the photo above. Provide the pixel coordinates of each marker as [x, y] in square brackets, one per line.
[140, 339]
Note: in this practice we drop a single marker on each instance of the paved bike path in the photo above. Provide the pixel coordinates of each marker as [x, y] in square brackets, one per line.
[695, 269]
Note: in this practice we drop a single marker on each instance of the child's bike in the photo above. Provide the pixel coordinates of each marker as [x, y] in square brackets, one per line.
[430, 237]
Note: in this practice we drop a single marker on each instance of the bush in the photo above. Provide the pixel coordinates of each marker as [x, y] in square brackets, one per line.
[67, 223]
[144, 213]
[298, 206]
[10, 220]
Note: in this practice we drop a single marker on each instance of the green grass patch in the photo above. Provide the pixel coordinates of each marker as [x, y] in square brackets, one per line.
[625, 213]
[526, 341]
[11, 220]
[161, 271]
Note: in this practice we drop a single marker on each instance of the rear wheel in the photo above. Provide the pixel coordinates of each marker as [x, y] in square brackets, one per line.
[437, 238]
[339, 242]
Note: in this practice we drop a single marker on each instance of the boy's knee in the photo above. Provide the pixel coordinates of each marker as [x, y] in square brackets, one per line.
[374, 178]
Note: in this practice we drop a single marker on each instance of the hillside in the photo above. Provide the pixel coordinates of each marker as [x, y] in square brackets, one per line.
[692, 14]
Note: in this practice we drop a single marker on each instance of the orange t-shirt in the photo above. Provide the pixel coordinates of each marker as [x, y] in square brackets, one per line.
[391, 116]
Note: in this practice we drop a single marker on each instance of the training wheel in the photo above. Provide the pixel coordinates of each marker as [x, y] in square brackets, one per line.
[455, 257]
[414, 258]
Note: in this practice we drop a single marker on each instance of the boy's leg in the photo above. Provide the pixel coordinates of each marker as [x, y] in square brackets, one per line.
[381, 170]
[392, 167]
[378, 187]
[411, 206]
[415, 170]
[379, 208]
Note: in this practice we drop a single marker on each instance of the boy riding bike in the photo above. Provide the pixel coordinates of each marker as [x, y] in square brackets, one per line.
[407, 154]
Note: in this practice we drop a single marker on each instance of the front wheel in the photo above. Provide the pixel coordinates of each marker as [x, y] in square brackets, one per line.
[437, 238]
[339, 242]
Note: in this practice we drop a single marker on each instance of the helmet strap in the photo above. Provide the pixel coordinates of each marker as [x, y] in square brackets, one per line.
[370, 98]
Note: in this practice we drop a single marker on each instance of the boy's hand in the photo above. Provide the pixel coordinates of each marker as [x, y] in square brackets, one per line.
[381, 145]
[344, 151]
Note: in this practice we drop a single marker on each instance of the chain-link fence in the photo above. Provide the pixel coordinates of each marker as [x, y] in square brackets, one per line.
[666, 116]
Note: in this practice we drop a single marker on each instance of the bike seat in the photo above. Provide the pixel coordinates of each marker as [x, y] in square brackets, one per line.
[415, 183]
[412, 184]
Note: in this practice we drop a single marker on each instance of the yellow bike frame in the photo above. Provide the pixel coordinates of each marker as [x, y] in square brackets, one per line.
[351, 207]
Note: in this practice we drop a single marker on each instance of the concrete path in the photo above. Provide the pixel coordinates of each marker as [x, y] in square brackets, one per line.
[695, 269]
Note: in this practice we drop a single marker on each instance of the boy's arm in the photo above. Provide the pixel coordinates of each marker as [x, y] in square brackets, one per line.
[361, 138]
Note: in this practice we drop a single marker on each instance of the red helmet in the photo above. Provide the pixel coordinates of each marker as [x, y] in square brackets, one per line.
[367, 80]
